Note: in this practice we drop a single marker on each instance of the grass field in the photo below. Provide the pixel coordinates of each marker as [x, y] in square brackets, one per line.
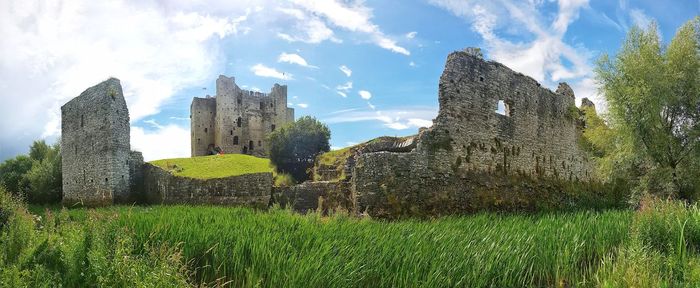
[215, 166]
[183, 245]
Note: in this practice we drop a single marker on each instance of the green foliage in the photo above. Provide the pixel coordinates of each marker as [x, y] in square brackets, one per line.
[653, 95]
[45, 177]
[294, 147]
[37, 178]
[214, 166]
[39, 150]
[283, 180]
[12, 174]
[62, 250]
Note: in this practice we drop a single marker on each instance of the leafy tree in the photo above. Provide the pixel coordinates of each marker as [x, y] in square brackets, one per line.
[12, 174]
[653, 96]
[293, 148]
[45, 177]
[38, 150]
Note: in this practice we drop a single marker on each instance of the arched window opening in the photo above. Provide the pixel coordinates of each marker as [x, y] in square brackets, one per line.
[235, 140]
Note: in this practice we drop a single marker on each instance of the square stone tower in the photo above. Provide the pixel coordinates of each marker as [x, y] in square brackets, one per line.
[237, 120]
[95, 146]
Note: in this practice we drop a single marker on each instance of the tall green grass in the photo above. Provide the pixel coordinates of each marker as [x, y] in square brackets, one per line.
[656, 246]
[282, 249]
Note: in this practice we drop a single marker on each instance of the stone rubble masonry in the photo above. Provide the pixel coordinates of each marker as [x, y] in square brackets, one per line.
[95, 146]
[536, 137]
[237, 120]
[308, 196]
[161, 187]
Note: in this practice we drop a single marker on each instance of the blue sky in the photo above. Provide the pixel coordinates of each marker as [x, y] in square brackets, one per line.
[391, 53]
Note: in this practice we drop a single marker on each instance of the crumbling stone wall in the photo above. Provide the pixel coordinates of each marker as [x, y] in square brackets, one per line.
[161, 187]
[237, 120]
[95, 146]
[535, 137]
[309, 196]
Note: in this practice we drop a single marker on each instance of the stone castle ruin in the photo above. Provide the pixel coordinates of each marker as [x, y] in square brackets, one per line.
[474, 157]
[99, 167]
[237, 120]
[472, 152]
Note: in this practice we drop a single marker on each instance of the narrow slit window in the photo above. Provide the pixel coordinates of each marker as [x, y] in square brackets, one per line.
[238, 122]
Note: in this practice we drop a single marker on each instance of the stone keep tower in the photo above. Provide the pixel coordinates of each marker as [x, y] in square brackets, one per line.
[237, 120]
[95, 144]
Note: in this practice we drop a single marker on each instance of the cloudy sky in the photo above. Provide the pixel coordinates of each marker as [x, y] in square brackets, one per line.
[366, 68]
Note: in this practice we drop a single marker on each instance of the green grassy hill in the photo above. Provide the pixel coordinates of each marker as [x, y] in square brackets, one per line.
[215, 166]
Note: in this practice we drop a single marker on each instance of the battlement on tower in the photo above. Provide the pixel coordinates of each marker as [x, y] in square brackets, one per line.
[236, 120]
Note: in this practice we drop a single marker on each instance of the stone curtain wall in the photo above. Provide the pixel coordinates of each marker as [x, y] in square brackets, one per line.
[215, 121]
[473, 158]
[537, 136]
[161, 187]
[95, 146]
[309, 196]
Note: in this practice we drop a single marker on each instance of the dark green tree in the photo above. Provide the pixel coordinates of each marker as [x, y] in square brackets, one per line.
[12, 174]
[293, 148]
[45, 177]
[653, 96]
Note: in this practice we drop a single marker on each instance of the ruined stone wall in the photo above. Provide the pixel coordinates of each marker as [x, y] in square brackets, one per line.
[537, 136]
[95, 146]
[202, 117]
[472, 151]
[309, 196]
[135, 179]
[161, 187]
[241, 118]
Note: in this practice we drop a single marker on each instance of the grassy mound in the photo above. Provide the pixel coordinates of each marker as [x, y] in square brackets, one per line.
[215, 166]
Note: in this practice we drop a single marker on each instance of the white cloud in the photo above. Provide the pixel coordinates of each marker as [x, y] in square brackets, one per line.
[155, 144]
[544, 55]
[354, 17]
[342, 94]
[365, 94]
[397, 119]
[303, 105]
[307, 28]
[344, 87]
[154, 53]
[294, 59]
[411, 35]
[345, 70]
[639, 18]
[369, 104]
[412, 64]
[264, 71]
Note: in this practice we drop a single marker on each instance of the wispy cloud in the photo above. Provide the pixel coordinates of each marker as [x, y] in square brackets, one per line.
[143, 140]
[354, 18]
[264, 71]
[411, 35]
[397, 118]
[544, 55]
[344, 87]
[303, 105]
[343, 94]
[292, 58]
[345, 70]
